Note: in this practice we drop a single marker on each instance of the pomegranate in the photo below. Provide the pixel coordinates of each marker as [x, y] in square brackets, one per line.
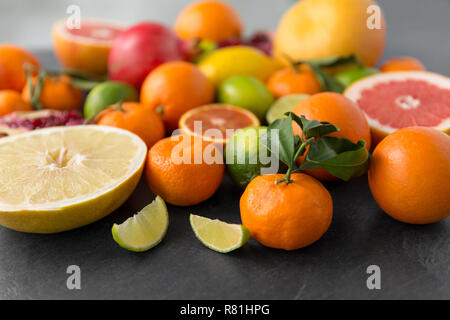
[261, 40]
[141, 48]
[21, 121]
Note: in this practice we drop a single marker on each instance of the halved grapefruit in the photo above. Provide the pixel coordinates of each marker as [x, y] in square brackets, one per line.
[395, 100]
[224, 118]
[87, 48]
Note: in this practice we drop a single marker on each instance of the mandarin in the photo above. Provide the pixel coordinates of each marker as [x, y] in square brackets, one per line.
[286, 216]
[57, 93]
[174, 88]
[409, 175]
[402, 64]
[12, 61]
[11, 101]
[293, 80]
[338, 110]
[209, 20]
[177, 170]
[134, 117]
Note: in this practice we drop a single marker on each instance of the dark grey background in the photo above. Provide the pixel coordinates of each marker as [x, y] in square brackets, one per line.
[414, 260]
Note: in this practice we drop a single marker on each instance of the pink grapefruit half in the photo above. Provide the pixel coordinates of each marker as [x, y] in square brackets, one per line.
[395, 100]
[87, 48]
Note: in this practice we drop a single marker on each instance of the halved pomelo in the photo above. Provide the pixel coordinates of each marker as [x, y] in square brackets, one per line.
[395, 100]
[216, 122]
[86, 48]
[60, 178]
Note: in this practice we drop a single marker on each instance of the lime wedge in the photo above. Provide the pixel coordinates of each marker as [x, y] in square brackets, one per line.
[283, 105]
[217, 235]
[145, 229]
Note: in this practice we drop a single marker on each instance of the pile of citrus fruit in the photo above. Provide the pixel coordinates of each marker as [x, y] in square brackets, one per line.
[277, 111]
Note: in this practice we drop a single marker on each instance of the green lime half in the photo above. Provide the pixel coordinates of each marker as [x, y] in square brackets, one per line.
[106, 94]
[218, 235]
[145, 229]
[283, 105]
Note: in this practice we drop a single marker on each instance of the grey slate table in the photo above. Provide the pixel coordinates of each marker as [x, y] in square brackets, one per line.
[414, 260]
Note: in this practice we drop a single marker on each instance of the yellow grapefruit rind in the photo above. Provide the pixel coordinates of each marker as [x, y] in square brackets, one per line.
[75, 215]
[378, 130]
[315, 29]
[81, 53]
[185, 130]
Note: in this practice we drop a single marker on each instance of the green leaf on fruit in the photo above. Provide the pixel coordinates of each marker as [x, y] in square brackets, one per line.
[280, 139]
[313, 128]
[339, 156]
[327, 82]
[335, 61]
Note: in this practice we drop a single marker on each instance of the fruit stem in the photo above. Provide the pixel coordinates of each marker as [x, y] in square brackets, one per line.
[35, 91]
[298, 153]
[293, 64]
[118, 106]
[160, 110]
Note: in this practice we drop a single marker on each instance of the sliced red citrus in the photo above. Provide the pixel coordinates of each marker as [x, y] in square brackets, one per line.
[226, 119]
[396, 100]
[87, 47]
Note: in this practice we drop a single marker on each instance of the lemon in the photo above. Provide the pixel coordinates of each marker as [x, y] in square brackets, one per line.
[61, 178]
[217, 235]
[237, 60]
[283, 105]
[145, 229]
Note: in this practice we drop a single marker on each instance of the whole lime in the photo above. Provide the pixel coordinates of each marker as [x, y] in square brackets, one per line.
[246, 157]
[106, 94]
[247, 92]
[347, 77]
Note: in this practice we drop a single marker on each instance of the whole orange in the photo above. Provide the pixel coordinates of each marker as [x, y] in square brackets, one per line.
[286, 216]
[57, 93]
[134, 117]
[11, 101]
[12, 60]
[313, 29]
[292, 80]
[174, 88]
[409, 175]
[336, 109]
[177, 170]
[402, 64]
[209, 20]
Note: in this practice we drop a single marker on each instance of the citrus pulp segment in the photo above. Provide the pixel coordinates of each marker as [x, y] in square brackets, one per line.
[218, 122]
[61, 178]
[395, 100]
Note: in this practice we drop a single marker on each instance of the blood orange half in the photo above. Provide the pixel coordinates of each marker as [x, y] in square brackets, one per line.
[396, 100]
[86, 48]
[216, 122]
